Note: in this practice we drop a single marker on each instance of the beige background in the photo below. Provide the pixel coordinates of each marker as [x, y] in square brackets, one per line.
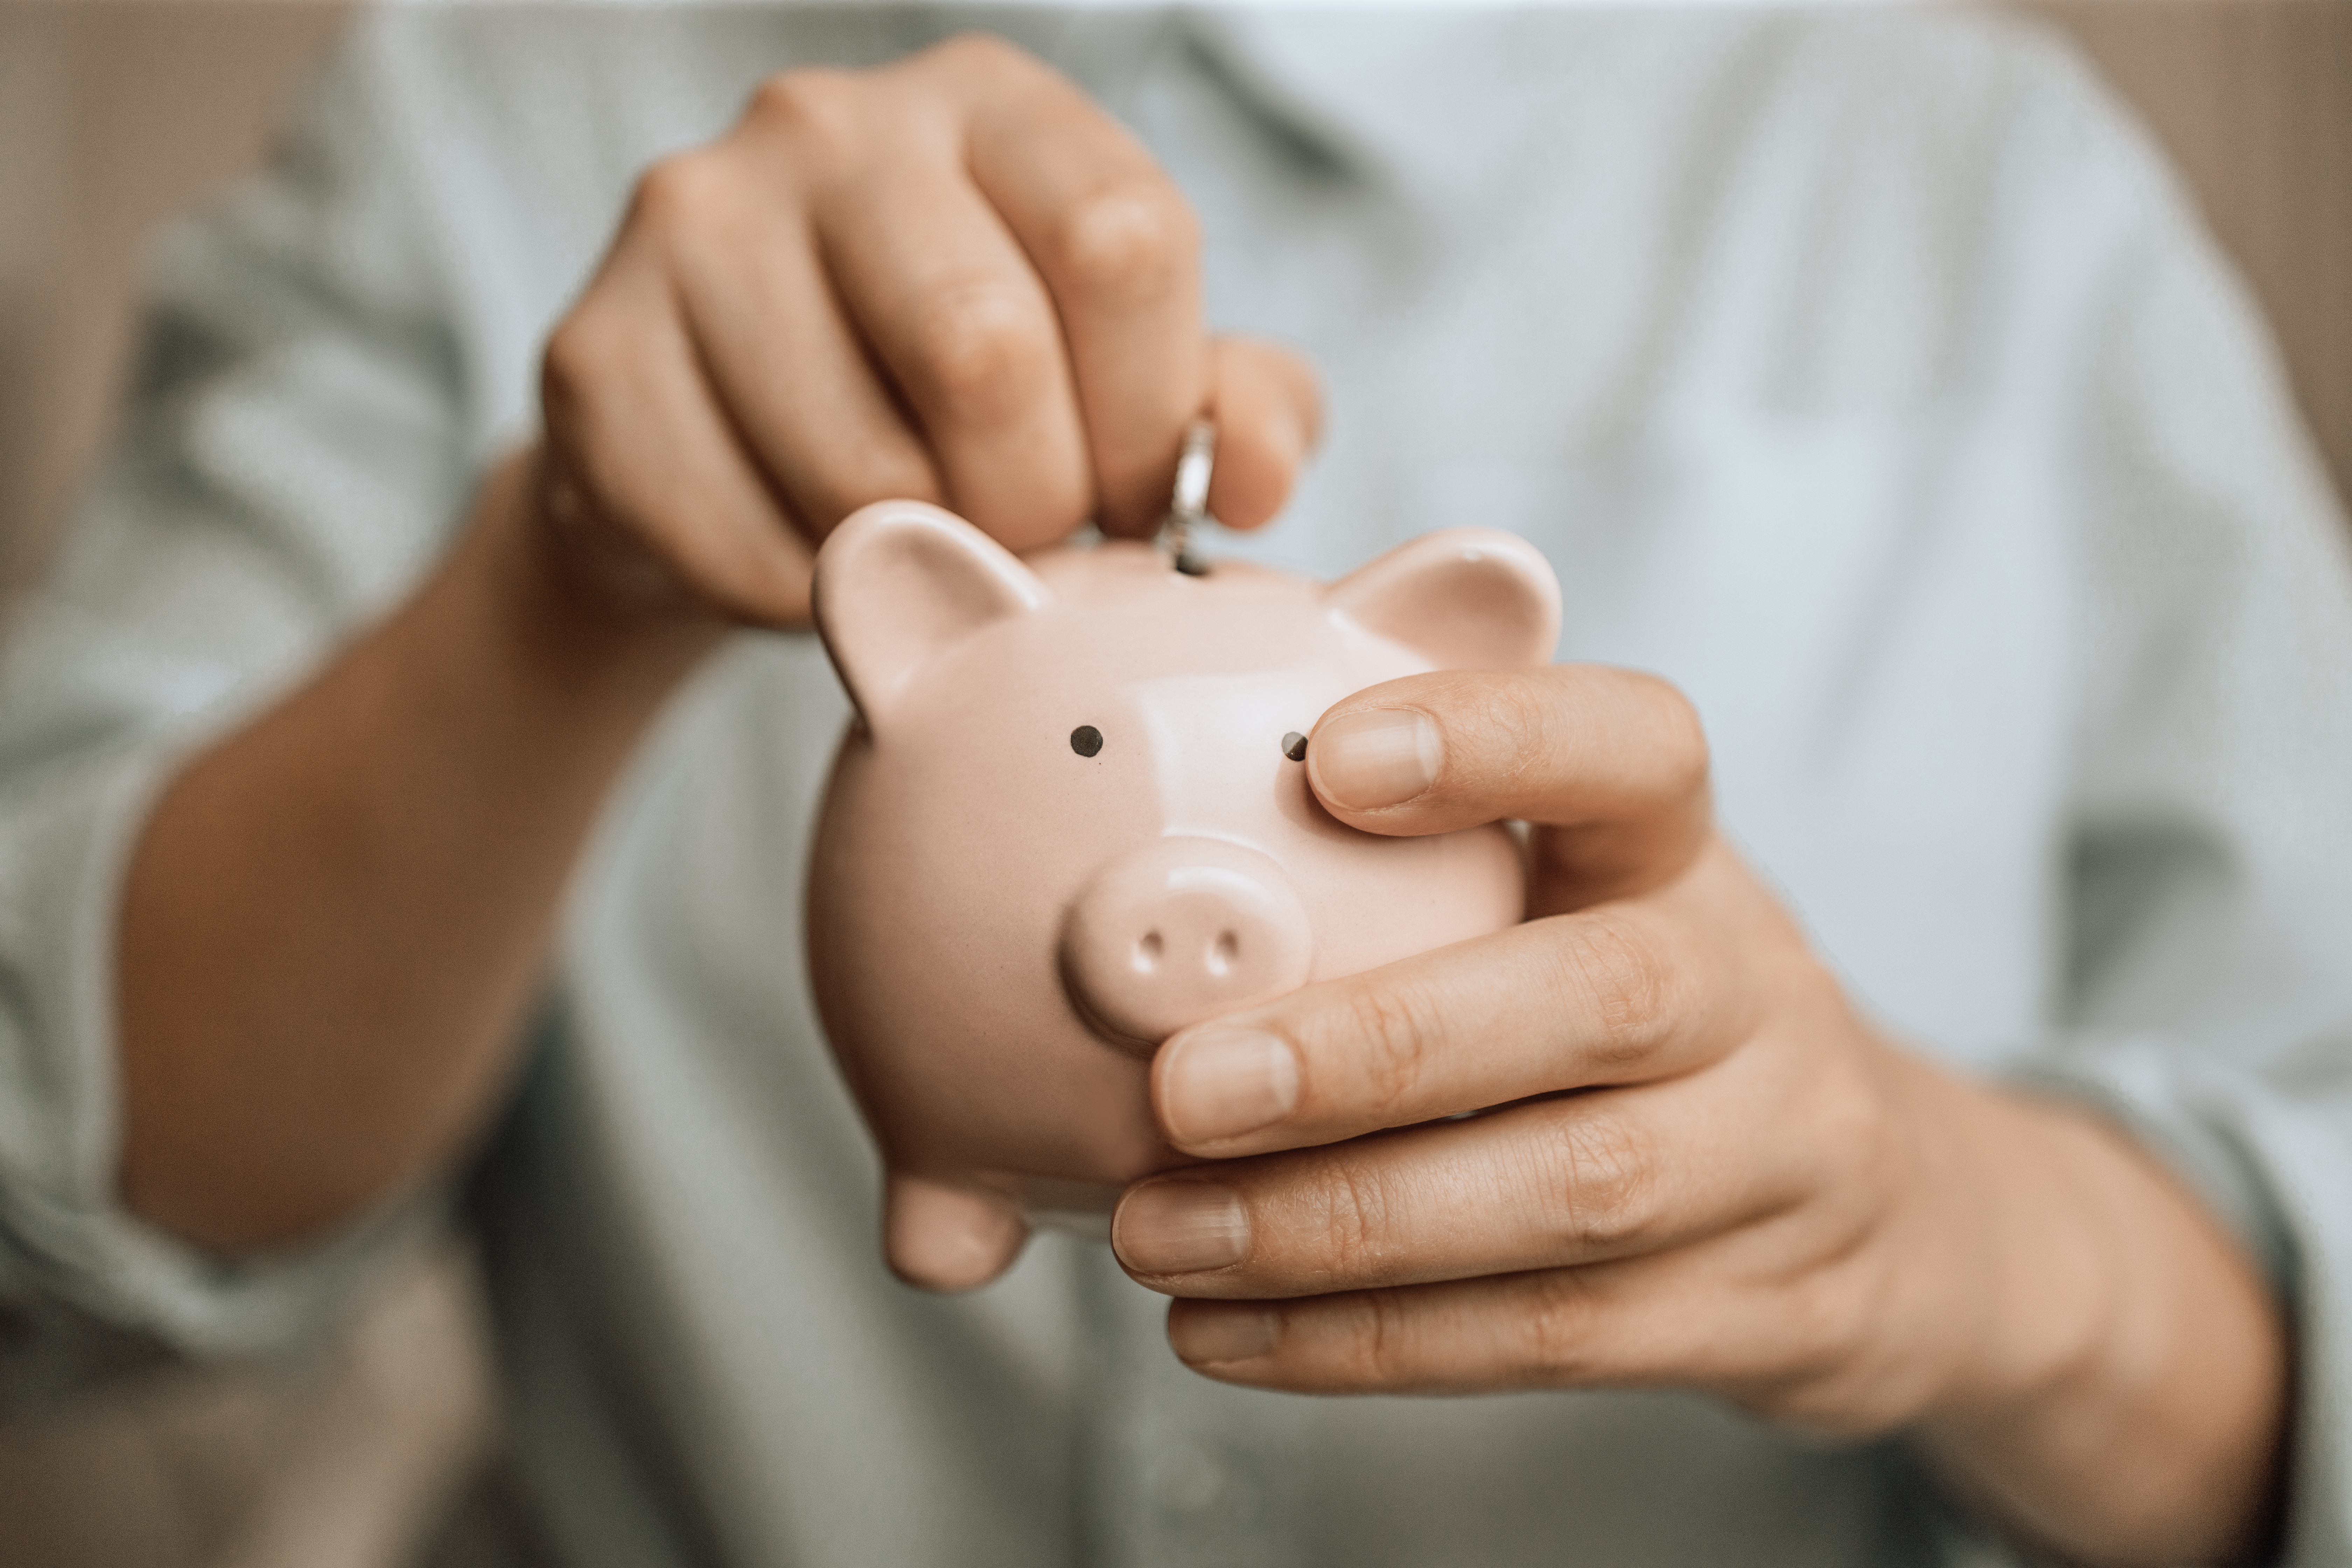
[115, 114]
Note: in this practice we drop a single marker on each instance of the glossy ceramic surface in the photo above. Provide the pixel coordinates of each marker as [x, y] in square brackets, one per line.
[1064, 825]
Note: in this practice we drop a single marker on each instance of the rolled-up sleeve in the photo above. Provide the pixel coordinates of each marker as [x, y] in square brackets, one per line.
[293, 453]
[329, 364]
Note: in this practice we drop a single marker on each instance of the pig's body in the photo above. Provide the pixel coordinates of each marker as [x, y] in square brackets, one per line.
[1002, 928]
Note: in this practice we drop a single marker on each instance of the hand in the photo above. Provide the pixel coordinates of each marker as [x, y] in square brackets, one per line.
[1694, 1165]
[953, 278]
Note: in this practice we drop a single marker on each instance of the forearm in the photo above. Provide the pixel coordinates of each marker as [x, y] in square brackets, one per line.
[336, 916]
[2136, 1406]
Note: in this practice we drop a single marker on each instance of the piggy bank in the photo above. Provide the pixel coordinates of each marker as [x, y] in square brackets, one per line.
[1071, 817]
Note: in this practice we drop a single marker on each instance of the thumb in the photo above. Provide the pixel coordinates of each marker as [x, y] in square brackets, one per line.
[1609, 766]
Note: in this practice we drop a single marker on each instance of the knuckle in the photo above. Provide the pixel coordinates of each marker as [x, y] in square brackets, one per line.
[985, 351]
[1607, 1185]
[1628, 987]
[684, 191]
[1828, 1313]
[1825, 1324]
[572, 364]
[1518, 706]
[1377, 1346]
[812, 105]
[1389, 1033]
[979, 52]
[1510, 717]
[1555, 1326]
[584, 375]
[1126, 241]
[1353, 1220]
[1824, 1309]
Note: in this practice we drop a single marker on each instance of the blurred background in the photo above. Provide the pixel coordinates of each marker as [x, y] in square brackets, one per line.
[116, 115]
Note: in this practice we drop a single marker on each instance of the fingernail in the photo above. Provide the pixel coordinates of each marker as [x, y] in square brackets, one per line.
[1180, 1227]
[1376, 758]
[1205, 1336]
[1222, 1083]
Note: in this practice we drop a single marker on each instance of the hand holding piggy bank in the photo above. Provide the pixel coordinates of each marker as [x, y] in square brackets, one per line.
[1070, 819]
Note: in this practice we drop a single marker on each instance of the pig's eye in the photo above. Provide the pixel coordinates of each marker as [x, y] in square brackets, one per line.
[1293, 746]
[1086, 740]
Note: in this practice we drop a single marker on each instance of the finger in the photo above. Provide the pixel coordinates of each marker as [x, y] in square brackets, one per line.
[634, 433]
[1778, 1317]
[1269, 414]
[1118, 249]
[795, 381]
[936, 285]
[1610, 763]
[1560, 1181]
[1627, 993]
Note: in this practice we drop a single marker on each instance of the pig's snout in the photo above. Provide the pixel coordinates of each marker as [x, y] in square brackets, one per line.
[1180, 930]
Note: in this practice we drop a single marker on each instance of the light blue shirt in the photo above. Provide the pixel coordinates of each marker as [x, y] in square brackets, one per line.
[1865, 374]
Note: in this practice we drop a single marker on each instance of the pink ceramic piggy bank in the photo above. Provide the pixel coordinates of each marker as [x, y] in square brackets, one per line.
[1070, 819]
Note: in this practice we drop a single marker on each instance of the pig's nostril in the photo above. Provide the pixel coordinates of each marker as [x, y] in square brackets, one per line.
[1179, 931]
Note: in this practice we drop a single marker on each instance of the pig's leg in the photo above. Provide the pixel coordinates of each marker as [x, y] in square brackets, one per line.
[946, 1237]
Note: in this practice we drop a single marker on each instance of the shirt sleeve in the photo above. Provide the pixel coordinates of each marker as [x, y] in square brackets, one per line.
[329, 364]
[293, 452]
[2207, 1002]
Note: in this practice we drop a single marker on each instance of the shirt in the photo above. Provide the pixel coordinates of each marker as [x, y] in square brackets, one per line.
[1863, 374]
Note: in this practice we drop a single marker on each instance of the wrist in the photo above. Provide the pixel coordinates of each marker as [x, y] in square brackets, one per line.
[2121, 1396]
[2054, 1303]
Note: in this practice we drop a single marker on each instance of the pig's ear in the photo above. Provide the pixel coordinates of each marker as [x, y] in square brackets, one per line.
[1464, 598]
[900, 583]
